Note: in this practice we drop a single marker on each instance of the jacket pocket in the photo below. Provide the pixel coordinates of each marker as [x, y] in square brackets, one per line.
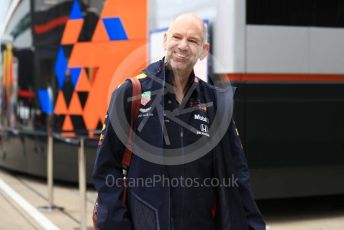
[144, 216]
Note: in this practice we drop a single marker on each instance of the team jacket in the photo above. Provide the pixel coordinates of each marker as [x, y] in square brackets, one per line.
[165, 130]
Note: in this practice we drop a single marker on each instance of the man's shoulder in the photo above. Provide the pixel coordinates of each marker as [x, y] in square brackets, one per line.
[218, 90]
[127, 84]
[206, 86]
[123, 87]
[202, 82]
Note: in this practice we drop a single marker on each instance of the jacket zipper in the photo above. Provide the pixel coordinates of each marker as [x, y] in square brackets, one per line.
[182, 149]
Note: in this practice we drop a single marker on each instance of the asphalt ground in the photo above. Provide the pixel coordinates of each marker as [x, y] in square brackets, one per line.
[22, 198]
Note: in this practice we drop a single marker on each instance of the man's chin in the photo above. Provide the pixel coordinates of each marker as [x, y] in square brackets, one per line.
[182, 66]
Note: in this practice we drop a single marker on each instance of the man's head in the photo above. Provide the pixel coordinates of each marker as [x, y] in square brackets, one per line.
[185, 43]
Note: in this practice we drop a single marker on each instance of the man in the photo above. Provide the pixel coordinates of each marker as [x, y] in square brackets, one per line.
[182, 117]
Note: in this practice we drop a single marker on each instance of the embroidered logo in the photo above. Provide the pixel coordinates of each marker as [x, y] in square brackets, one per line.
[204, 128]
[145, 98]
[201, 118]
[102, 135]
[145, 110]
[199, 105]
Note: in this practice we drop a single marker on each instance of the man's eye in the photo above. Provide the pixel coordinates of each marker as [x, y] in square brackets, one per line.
[193, 41]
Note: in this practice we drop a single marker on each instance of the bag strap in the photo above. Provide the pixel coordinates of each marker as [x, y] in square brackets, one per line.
[135, 107]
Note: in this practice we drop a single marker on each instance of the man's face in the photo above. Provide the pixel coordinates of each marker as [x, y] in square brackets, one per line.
[184, 44]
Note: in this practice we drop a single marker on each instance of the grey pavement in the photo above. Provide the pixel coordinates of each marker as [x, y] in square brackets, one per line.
[33, 190]
[296, 214]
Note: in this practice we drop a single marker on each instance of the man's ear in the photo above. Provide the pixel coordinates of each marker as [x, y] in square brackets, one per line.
[205, 51]
[165, 41]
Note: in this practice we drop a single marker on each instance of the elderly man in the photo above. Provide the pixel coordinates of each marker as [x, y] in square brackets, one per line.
[177, 111]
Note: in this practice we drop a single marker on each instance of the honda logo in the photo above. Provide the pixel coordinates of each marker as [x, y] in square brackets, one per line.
[204, 128]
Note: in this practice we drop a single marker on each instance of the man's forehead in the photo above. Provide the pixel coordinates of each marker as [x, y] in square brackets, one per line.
[191, 27]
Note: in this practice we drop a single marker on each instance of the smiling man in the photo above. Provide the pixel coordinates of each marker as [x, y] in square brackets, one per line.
[185, 44]
[183, 174]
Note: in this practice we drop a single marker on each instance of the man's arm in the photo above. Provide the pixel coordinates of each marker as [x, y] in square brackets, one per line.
[107, 172]
[254, 217]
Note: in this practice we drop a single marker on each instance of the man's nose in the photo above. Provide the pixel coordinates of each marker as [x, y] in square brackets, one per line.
[183, 44]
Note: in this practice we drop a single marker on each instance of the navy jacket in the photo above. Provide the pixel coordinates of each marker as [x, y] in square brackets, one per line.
[149, 205]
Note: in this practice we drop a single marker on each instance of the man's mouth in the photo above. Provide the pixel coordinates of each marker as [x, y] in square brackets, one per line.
[180, 57]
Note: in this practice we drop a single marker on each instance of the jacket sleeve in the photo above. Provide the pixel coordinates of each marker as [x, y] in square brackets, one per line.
[107, 172]
[241, 171]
